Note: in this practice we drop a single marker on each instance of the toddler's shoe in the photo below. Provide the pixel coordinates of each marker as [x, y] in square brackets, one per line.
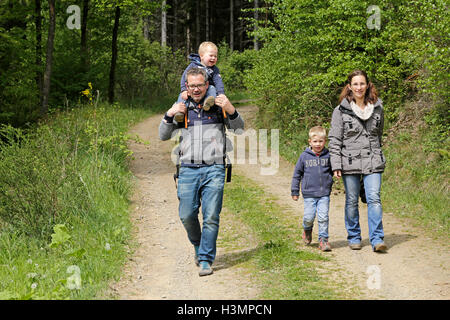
[324, 245]
[179, 117]
[307, 236]
[209, 102]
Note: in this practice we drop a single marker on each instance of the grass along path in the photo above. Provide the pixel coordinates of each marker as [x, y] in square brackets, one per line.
[415, 267]
[276, 259]
[71, 176]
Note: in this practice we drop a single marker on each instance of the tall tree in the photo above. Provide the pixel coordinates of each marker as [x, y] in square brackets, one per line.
[197, 25]
[255, 39]
[163, 23]
[49, 58]
[38, 22]
[84, 50]
[188, 33]
[231, 24]
[207, 21]
[175, 25]
[112, 71]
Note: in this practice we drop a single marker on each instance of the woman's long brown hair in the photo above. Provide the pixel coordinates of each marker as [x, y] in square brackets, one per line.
[371, 95]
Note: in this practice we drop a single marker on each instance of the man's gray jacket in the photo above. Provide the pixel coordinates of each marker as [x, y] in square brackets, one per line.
[203, 141]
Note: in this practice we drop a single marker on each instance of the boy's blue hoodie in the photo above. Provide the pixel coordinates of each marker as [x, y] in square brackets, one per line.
[314, 172]
[213, 72]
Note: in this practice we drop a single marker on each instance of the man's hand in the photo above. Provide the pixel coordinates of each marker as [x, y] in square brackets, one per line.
[223, 102]
[295, 198]
[184, 95]
[177, 107]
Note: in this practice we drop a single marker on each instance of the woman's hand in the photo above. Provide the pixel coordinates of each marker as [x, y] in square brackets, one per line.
[337, 173]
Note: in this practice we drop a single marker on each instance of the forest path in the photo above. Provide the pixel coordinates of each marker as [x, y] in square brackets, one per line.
[162, 267]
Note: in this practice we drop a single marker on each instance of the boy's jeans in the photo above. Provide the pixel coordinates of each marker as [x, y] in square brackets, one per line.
[210, 92]
[372, 184]
[201, 185]
[319, 205]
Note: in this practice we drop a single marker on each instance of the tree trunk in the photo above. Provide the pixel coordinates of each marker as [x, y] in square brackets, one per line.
[256, 16]
[163, 24]
[112, 72]
[241, 28]
[38, 21]
[84, 53]
[197, 25]
[146, 28]
[207, 21]
[49, 58]
[175, 25]
[231, 24]
[188, 33]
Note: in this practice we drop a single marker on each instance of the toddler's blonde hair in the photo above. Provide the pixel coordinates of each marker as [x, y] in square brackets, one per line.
[205, 45]
[317, 131]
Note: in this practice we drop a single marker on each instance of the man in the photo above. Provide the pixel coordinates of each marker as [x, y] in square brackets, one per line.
[202, 168]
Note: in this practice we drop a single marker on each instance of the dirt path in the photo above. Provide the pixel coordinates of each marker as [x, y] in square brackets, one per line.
[163, 264]
[415, 267]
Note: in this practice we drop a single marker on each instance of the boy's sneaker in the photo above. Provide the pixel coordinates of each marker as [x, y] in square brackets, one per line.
[307, 236]
[205, 269]
[179, 117]
[324, 245]
[380, 247]
[209, 102]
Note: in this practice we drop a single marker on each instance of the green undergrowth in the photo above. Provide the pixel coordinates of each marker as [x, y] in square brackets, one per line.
[416, 181]
[283, 268]
[64, 190]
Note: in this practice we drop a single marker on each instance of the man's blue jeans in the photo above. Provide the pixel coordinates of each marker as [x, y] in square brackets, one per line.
[372, 185]
[203, 186]
[321, 206]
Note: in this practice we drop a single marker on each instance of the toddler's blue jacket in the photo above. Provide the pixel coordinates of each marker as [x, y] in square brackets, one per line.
[214, 77]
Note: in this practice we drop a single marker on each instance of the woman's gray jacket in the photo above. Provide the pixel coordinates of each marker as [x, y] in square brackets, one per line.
[355, 144]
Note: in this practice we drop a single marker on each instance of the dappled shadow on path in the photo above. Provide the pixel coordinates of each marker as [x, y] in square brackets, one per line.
[230, 259]
[390, 240]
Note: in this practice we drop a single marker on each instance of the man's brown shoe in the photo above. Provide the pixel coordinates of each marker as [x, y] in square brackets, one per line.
[355, 246]
[380, 247]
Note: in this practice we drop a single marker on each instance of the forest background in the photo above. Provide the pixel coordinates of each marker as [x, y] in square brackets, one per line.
[109, 63]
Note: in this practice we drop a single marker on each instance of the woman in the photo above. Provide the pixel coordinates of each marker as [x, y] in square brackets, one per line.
[355, 152]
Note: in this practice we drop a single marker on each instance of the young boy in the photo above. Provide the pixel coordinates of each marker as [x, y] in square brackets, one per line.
[313, 169]
[206, 59]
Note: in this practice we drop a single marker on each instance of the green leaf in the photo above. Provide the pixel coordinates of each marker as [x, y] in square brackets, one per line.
[77, 253]
[60, 236]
